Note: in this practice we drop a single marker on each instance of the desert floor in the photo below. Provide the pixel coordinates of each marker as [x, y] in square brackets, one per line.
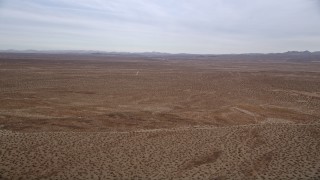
[135, 117]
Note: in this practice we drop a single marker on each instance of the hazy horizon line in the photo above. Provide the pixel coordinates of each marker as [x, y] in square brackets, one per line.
[142, 52]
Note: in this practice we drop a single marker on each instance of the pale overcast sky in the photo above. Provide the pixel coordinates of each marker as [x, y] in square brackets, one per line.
[175, 26]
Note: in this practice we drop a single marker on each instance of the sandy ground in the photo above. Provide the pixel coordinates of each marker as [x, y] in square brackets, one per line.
[97, 117]
[273, 151]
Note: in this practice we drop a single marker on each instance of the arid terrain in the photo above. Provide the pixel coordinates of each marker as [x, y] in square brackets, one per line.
[91, 116]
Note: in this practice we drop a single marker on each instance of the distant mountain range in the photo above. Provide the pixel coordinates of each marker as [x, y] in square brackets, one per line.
[146, 53]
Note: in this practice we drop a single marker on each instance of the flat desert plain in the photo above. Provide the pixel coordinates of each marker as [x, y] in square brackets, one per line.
[96, 116]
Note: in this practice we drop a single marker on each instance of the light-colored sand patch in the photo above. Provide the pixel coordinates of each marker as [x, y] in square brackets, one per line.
[24, 114]
[156, 109]
[295, 93]
[275, 120]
